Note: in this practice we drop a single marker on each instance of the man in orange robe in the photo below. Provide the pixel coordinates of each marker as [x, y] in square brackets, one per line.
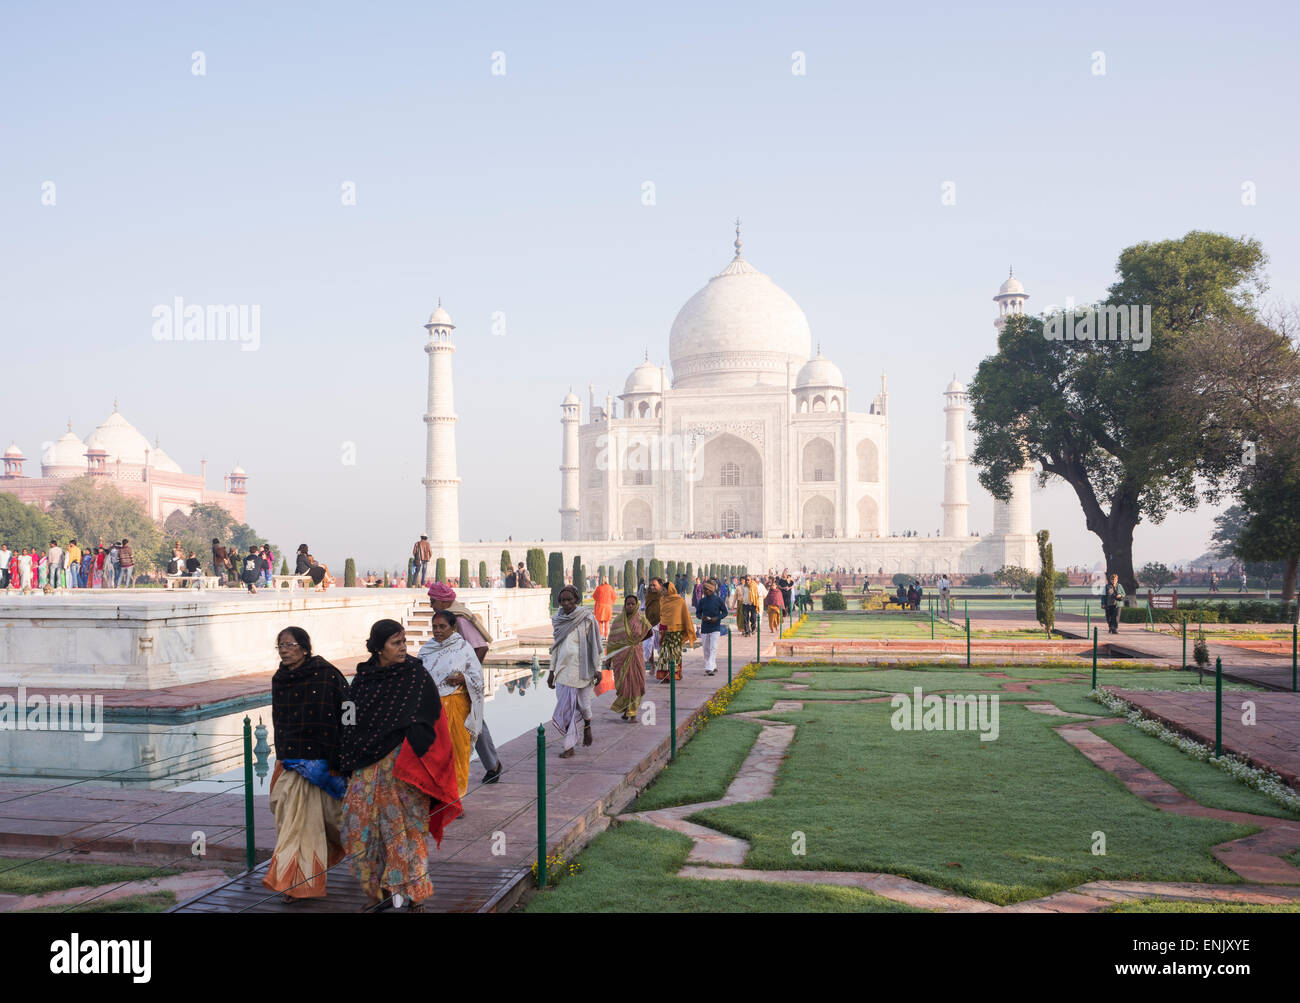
[604, 598]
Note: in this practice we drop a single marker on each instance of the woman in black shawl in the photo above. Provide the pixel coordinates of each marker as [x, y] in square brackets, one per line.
[386, 816]
[308, 695]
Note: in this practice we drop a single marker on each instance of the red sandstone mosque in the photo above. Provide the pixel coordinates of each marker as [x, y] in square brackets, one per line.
[118, 454]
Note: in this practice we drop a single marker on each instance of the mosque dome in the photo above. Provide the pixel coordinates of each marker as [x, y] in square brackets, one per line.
[955, 387]
[67, 451]
[119, 440]
[13, 452]
[440, 316]
[644, 379]
[741, 329]
[161, 461]
[238, 471]
[819, 372]
[570, 398]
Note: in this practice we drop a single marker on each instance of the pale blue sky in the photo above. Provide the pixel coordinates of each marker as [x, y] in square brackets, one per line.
[522, 193]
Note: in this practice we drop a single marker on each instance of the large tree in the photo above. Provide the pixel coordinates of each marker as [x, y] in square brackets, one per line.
[95, 511]
[26, 527]
[1106, 418]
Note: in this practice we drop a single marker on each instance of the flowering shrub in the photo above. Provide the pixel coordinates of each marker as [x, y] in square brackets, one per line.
[717, 704]
[790, 630]
[1266, 782]
[556, 868]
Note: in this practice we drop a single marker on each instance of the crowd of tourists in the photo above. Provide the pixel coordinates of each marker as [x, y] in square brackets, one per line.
[101, 566]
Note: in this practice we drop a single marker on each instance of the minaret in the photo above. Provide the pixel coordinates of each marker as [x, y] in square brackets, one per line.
[570, 418]
[1013, 517]
[1010, 300]
[441, 483]
[955, 505]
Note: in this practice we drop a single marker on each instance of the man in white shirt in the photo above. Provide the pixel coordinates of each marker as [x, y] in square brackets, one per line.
[945, 596]
[5, 558]
[55, 558]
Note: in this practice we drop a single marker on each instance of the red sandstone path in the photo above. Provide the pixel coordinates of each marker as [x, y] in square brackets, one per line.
[1258, 859]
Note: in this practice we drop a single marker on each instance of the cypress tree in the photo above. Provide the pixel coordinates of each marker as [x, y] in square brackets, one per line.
[464, 572]
[1045, 593]
[629, 578]
[349, 572]
[555, 576]
[505, 562]
[656, 568]
[440, 569]
[579, 579]
[640, 570]
[482, 575]
[535, 562]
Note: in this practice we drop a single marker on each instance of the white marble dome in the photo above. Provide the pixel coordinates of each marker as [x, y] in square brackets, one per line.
[13, 452]
[644, 379]
[819, 372]
[440, 317]
[1011, 287]
[741, 329]
[67, 451]
[161, 461]
[955, 387]
[119, 440]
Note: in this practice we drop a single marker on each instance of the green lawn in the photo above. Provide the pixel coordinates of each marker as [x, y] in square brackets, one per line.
[632, 868]
[705, 767]
[1165, 905]
[35, 877]
[153, 902]
[871, 624]
[1004, 820]
[1200, 781]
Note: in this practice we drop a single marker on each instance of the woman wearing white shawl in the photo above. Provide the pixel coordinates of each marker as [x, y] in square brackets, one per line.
[449, 659]
[575, 668]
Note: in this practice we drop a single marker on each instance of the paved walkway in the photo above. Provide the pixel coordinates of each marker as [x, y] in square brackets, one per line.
[496, 840]
[1258, 859]
[1272, 741]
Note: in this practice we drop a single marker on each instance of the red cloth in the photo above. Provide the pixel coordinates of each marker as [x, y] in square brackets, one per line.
[434, 773]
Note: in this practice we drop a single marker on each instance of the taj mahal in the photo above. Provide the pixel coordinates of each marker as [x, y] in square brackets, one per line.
[746, 450]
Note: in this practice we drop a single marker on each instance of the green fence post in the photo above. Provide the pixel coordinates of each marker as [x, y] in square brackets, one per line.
[932, 622]
[541, 806]
[1184, 665]
[1087, 611]
[672, 711]
[1293, 658]
[250, 836]
[1094, 658]
[1218, 708]
[758, 634]
[968, 642]
[728, 656]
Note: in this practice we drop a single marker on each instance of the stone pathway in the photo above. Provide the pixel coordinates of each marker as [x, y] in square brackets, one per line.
[1259, 859]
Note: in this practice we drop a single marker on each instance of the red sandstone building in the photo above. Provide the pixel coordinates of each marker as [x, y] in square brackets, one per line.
[116, 453]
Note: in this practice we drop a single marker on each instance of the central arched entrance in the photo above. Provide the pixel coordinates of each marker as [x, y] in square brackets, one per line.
[727, 494]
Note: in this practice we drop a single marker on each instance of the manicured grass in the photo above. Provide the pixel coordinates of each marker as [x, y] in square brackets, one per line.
[1073, 697]
[153, 902]
[903, 680]
[39, 876]
[1002, 820]
[633, 867]
[871, 624]
[1165, 905]
[1199, 781]
[705, 766]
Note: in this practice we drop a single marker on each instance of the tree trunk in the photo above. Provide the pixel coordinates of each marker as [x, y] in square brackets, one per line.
[1289, 580]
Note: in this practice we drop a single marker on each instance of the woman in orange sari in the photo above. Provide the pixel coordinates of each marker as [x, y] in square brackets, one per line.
[604, 597]
[624, 655]
[454, 667]
[678, 630]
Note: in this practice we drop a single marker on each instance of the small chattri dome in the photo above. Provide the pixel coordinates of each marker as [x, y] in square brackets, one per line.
[955, 387]
[570, 398]
[647, 378]
[13, 452]
[440, 317]
[1011, 287]
[238, 471]
[819, 371]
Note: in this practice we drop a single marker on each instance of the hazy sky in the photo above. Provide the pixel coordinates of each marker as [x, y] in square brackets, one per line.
[522, 194]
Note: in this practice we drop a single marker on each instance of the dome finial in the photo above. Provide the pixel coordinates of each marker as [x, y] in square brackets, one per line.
[1011, 272]
[738, 240]
[115, 405]
[69, 424]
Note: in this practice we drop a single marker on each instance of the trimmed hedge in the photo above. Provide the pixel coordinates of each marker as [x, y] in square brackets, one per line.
[1246, 611]
[833, 600]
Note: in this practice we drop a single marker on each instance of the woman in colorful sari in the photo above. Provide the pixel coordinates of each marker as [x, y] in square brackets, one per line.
[454, 668]
[774, 604]
[623, 653]
[575, 668]
[87, 567]
[402, 783]
[307, 697]
[677, 629]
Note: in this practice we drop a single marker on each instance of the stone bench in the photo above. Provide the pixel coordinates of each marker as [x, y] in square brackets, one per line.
[291, 582]
[188, 581]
